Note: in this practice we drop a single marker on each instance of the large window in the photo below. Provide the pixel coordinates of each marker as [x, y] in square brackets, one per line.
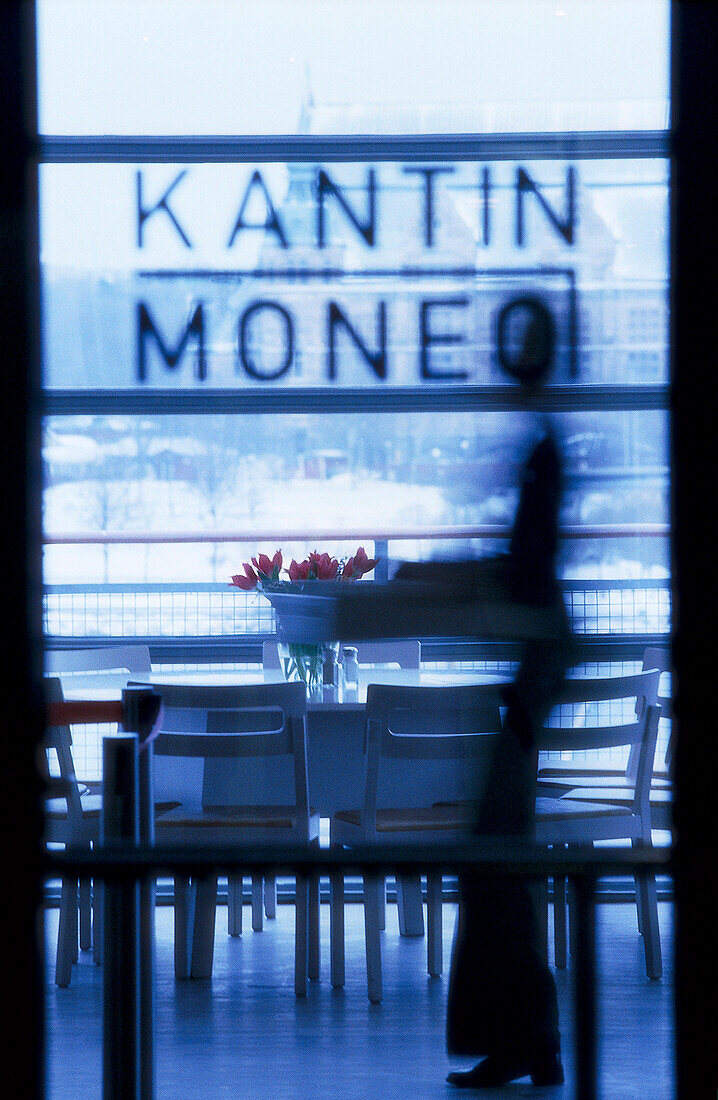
[288, 248]
[278, 287]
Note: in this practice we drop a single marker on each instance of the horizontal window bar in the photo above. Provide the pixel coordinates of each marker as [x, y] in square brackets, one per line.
[390, 399]
[618, 889]
[577, 145]
[581, 584]
[215, 649]
[125, 860]
[487, 531]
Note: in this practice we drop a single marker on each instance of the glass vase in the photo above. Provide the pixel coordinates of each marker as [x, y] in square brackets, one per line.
[305, 661]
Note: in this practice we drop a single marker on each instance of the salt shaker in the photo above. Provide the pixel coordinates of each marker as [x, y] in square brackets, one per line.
[351, 668]
[330, 670]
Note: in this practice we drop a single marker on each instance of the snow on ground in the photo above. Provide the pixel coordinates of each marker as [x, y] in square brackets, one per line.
[345, 502]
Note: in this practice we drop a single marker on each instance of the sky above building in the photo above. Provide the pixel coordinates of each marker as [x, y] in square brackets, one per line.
[154, 67]
[247, 66]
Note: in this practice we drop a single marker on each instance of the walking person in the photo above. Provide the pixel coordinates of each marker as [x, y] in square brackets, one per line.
[502, 997]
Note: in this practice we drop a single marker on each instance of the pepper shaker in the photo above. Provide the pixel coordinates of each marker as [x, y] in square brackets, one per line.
[351, 668]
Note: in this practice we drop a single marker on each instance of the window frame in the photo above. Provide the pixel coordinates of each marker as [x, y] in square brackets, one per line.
[450, 398]
[578, 146]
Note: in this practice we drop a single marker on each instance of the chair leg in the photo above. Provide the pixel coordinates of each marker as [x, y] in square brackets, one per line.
[66, 933]
[301, 934]
[571, 910]
[336, 928]
[538, 893]
[183, 926]
[203, 927]
[374, 888]
[257, 903]
[647, 899]
[313, 916]
[73, 923]
[639, 916]
[434, 937]
[559, 923]
[234, 905]
[85, 914]
[409, 905]
[270, 897]
[98, 894]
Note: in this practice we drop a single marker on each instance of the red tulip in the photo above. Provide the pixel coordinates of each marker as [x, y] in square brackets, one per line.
[248, 582]
[268, 567]
[298, 571]
[358, 565]
[322, 567]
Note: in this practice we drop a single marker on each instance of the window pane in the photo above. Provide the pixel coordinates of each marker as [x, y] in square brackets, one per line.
[359, 66]
[259, 276]
[284, 481]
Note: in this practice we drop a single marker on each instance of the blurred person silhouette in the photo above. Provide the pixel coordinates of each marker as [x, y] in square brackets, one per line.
[502, 1001]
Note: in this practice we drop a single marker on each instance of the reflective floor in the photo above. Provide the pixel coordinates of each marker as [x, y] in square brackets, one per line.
[244, 1034]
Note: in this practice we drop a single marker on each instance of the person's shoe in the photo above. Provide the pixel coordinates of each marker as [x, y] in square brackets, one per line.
[544, 1068]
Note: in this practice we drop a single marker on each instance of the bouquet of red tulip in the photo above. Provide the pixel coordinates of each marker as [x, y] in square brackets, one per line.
[301, 661]
[264, 573]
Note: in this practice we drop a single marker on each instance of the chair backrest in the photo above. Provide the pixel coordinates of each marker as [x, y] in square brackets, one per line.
[427, 744]
[660, 657]
[653, 657]
[404, 652]
[240, 734]
[135, 659]
[60, 778]
[616, 712]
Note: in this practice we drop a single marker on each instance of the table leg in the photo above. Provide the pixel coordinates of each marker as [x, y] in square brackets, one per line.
[409, 905]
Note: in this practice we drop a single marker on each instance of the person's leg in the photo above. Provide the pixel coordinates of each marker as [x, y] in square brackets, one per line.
[502, 996]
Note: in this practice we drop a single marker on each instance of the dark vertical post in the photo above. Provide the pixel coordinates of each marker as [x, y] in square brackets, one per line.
[585, 989]
[694, 256]
[141, 706]
[22, 532]
[120, 829]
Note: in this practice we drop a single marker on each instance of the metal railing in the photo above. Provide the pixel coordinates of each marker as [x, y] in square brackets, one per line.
[597, 607]
[207, 610]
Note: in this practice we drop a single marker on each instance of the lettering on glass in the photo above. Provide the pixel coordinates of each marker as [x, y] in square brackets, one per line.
[330, 279]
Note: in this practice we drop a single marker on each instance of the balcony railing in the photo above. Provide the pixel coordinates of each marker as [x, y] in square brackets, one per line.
[210, 611]
[171, 612]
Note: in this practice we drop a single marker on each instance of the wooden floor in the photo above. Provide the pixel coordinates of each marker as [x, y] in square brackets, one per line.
[244, 1034]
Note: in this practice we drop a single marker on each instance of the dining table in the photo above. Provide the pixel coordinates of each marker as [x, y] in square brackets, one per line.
[336, 757]
[336, 745]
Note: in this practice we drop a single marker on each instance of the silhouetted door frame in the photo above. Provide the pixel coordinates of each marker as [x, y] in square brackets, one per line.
[694, 496]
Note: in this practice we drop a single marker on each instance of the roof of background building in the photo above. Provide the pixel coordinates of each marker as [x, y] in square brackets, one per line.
[478, 118]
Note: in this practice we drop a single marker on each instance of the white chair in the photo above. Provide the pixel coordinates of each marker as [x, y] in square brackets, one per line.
[133, 659]
[606, 712]
[256, 737]
[424, 744]
[404, 653]
[71, 818]
[616, 784]
[84, 668]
